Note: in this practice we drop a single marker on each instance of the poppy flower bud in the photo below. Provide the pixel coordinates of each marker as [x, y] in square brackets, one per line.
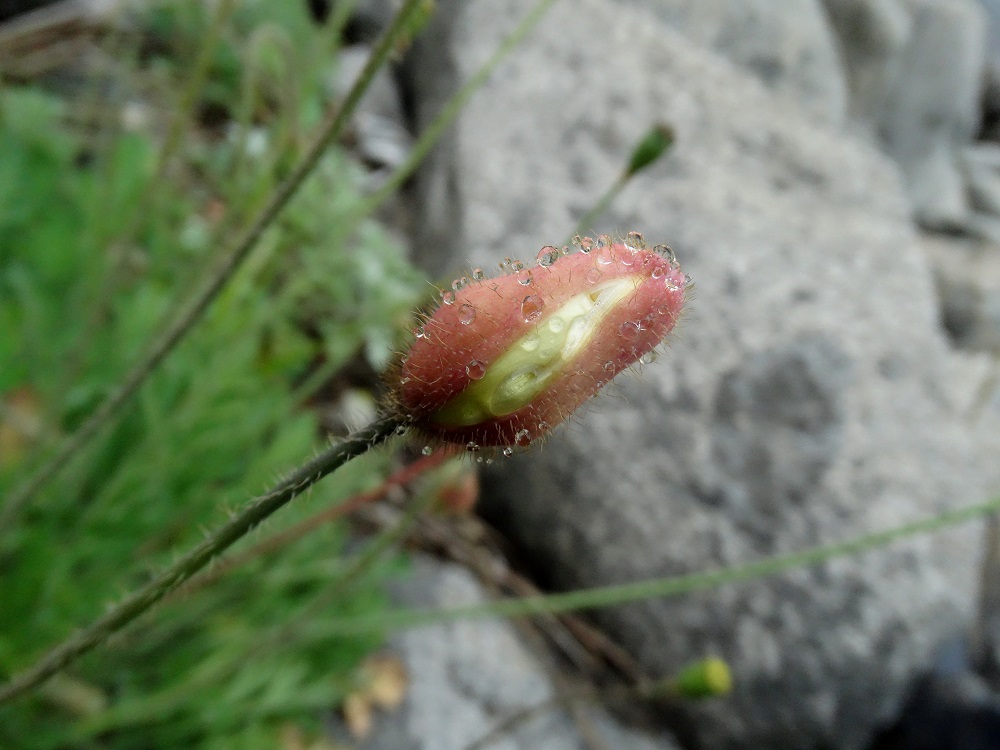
[503, 360]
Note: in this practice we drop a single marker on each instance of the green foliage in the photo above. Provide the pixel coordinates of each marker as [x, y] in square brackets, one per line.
[99, 244]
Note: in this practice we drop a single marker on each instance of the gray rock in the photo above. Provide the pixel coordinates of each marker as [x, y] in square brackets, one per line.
[991, 83]
[968, 281]
[789, 46]
[467, 676]
[809, 397]
[981, 167]
[916, 70]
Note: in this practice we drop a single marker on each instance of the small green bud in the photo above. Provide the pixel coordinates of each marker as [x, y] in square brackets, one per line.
[704, 679]
[652, 146]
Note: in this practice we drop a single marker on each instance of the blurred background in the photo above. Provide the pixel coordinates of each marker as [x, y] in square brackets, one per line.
[832, 187]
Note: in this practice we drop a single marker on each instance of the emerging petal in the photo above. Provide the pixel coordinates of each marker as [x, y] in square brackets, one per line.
[504, 360]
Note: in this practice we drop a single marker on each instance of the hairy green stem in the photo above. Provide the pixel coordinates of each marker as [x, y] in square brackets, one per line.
[238, 526]
[607, 596]
[584, 225]
[218, 279]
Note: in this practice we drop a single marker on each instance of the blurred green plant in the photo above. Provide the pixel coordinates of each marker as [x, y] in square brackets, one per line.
[99, 239]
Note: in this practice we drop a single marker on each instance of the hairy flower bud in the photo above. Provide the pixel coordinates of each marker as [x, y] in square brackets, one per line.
[503, 360]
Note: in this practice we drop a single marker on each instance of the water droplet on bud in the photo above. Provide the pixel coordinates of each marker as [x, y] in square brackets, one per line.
[472, 446]
[522, 438]
[466, 314]
[524, 277]
[547, 256]
[635, 239]
[426, 450]
[605, 256]
[508, 451]
[594, 275]
[531, 307]
[475, 369]
[477, 274]
[657, 272]
[666, 252]
[448, 298]
[629, 330]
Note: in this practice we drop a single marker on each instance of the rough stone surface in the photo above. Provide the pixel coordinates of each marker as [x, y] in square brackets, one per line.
[809, 397]
[467, 676]
[789, 46]
[991, 83]
[916, 71]
[968, 282]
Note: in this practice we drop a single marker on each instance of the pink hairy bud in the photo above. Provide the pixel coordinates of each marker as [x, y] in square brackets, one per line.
[503, 360]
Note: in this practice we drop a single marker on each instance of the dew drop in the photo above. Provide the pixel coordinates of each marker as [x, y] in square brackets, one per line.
[466, 314]
[524, 277]
[477, 274]
[586, 244]
[609, 366]
[420, 332]
[475, 369]
[671, 284]
[530, 343]
[647, 358]
[594, 275]
[666, 252]
[629, 330]
[401, 429]
[459, 284]
[516, 265]
[556, 324]
[547, 256]
[522, 438]
[657, 272]
[426, 450]
[479, 459]
[687, 279]
[531, 307]
[635, 239]
[472, 446]
[489, 462]
[605, 240]
[448, 298]
[605, 257]
[566, 250]
[508, 451]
